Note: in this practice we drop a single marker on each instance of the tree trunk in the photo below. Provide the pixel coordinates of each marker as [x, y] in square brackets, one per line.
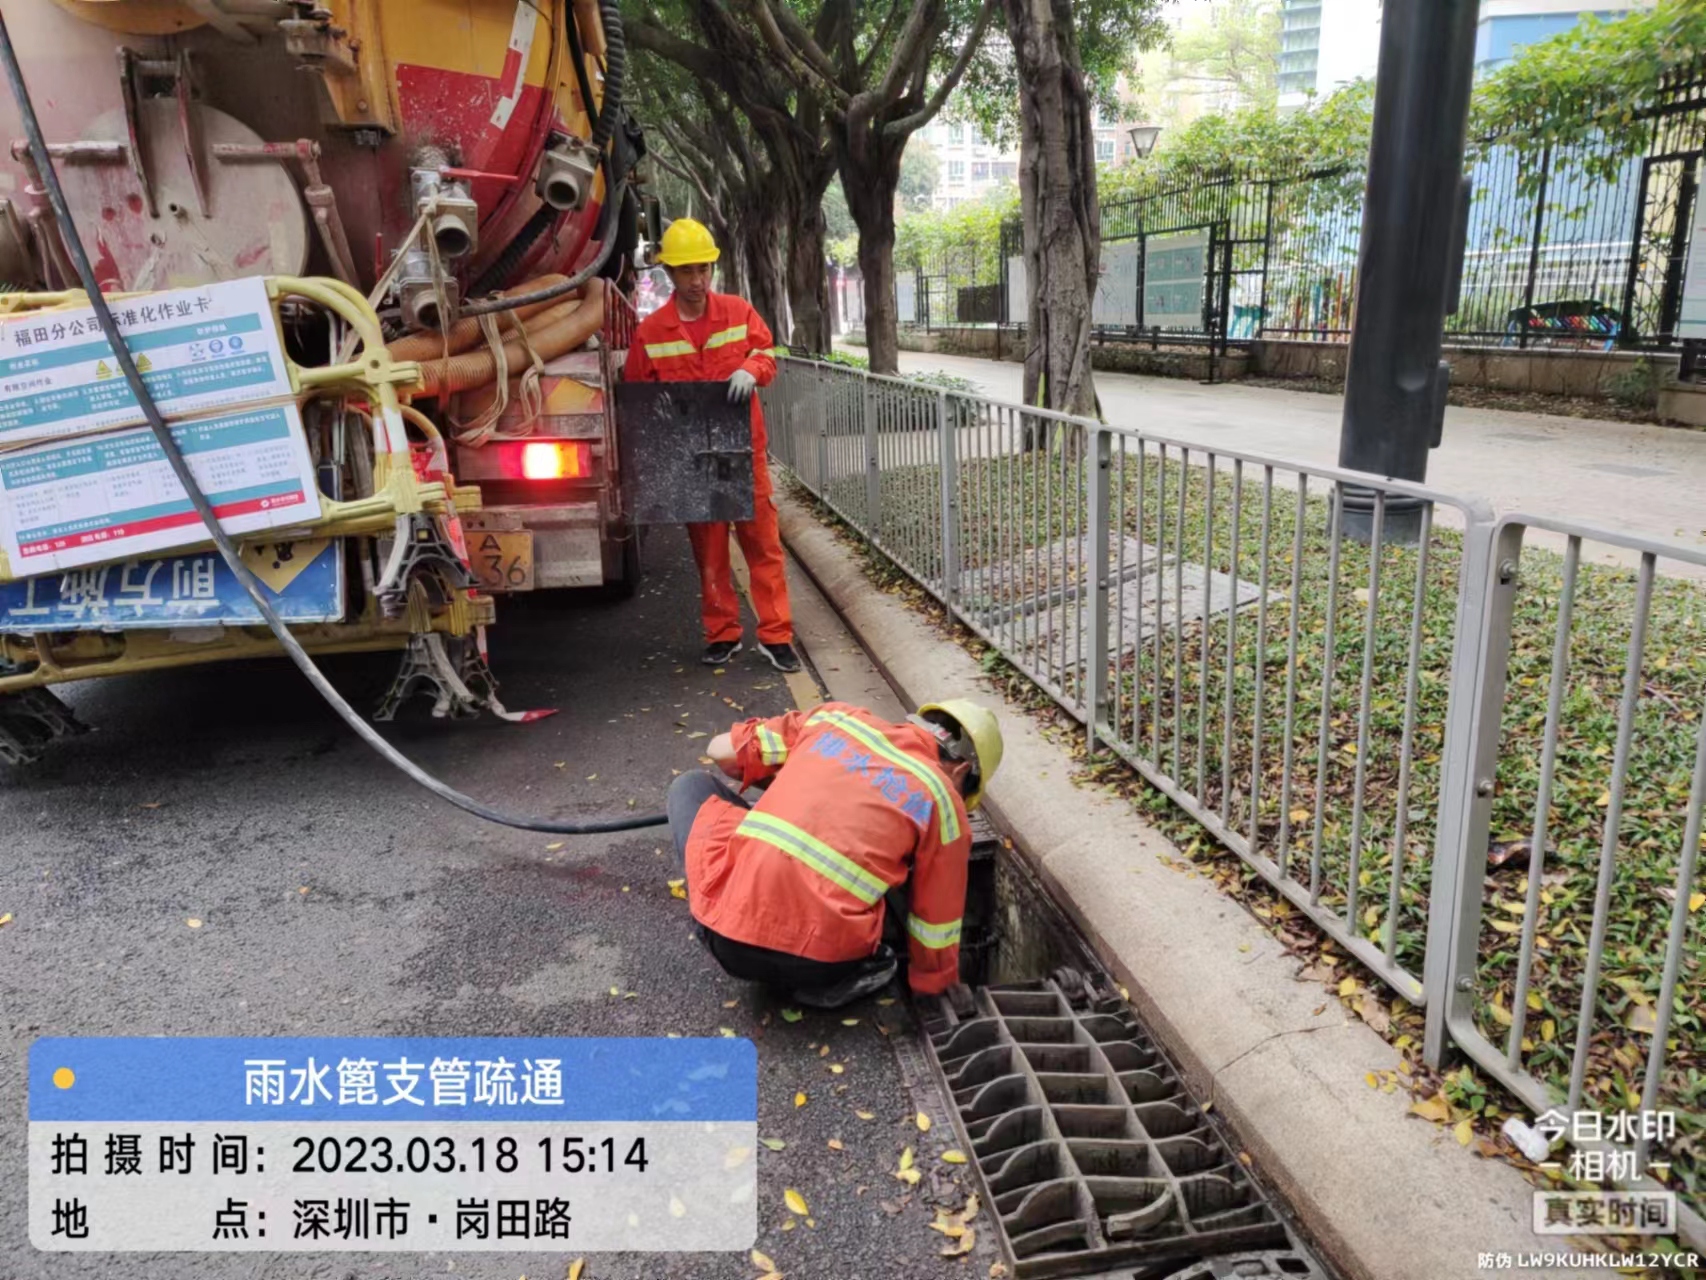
[1057, 190]
[762, 231]
[870, 178]
[808, 284]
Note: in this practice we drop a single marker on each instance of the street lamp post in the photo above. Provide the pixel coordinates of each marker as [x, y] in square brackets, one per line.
[1413, 222]
[1143, 138]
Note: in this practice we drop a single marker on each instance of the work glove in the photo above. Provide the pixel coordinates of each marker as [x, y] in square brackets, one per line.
[741, 384]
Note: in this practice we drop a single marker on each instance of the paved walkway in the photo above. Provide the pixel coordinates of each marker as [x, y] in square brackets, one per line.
[1619, 475]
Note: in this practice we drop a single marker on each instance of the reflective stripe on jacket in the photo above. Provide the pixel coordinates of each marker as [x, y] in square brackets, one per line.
[738, 338]
[856, 806]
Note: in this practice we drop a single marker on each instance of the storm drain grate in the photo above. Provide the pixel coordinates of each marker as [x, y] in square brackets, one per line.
[1094, 1157]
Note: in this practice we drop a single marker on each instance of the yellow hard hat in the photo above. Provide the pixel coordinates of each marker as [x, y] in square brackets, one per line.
[685, 242]
[977, 723]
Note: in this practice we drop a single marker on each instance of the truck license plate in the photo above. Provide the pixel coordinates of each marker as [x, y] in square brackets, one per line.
[502, 561]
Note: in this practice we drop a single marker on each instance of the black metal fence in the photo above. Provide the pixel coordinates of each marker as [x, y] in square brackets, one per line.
[1572, 246]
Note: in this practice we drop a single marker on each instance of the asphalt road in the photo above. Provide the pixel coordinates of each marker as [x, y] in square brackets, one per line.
[337, 899]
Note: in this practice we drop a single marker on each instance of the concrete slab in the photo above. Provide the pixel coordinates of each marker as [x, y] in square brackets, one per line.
[1389, 1196]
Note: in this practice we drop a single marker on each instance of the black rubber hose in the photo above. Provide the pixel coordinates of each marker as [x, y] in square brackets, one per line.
[506, 262]
[577, 54]
[227, 549]
[615, 71]
[607, 242]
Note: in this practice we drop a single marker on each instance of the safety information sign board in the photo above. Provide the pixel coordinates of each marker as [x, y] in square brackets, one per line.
[1175, 277]
[407, 1145]
[197, 349]
[114, 497]
[304, 582]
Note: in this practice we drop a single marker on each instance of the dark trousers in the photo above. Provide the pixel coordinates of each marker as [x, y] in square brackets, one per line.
[687, 795]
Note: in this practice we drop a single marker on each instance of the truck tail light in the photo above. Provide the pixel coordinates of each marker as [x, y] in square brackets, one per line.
[554, 460]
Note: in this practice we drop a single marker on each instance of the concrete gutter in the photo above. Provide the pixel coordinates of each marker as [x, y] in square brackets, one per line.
[1385, 1195]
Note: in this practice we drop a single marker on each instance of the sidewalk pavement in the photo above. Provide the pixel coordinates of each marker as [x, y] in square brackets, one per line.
[1619, 475]
[1386, 1195]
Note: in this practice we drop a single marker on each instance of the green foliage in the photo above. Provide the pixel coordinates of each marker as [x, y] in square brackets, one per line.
[1636, 387]
[920, 172]
[1111, 34]
[837, 219]
[1236, 45]
[1590, 81]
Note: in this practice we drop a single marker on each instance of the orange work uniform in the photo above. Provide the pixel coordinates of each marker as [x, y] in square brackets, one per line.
[735, 337]
[857, 806]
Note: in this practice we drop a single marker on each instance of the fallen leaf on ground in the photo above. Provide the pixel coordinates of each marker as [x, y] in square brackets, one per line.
[954, 1157]
[678, 889]
[1642, 1018]
[1464, 1131]
[922, 1121]
[823, 1052]
[736, 1157]
[5, 920]
[1348, 987]
[800, 1099]
[1696, 901]
[835, 1145]
[775, 1144]
[997, 1270]
[615, 991]
[850, 1022]
[553, 846]
[726, 1033]
[906, 1159]
[866, 1115]
[791, 1015]
[730, 1004]
[795, 1201]
[835, 1068]
[676, 1208]
[963, 1246]
[886, 1001]
[763, 1263]
[193, 923]
[909, 1176]
[575, 1269]
[152, 804]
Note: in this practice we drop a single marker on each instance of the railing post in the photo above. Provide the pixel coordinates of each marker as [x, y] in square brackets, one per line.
[1096, 464]
[1485, 603]
[947, 433]
[873, 472]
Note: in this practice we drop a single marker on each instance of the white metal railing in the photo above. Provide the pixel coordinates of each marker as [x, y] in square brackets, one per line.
[1308, 665]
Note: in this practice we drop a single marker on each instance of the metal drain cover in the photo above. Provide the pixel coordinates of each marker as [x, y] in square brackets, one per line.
[1093, 1157]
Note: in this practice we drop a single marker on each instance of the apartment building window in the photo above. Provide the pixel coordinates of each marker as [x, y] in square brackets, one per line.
[956, 134]
[980, 171]
[1104, 149]
[1004, 171]
[956, 171]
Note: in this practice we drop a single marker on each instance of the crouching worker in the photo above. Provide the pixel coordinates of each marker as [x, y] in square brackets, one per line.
[860, 840]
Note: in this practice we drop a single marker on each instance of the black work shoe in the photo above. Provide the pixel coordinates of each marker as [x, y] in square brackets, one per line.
[866, 982]
[782, 656]
[717, 655]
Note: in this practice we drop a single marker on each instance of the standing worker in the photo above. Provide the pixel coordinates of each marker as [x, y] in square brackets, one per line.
[700, 336]
[860, 839]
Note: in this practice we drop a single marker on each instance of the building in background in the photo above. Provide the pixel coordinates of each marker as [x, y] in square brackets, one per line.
[972, 167]
[1507, 25]
[1325, 45]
